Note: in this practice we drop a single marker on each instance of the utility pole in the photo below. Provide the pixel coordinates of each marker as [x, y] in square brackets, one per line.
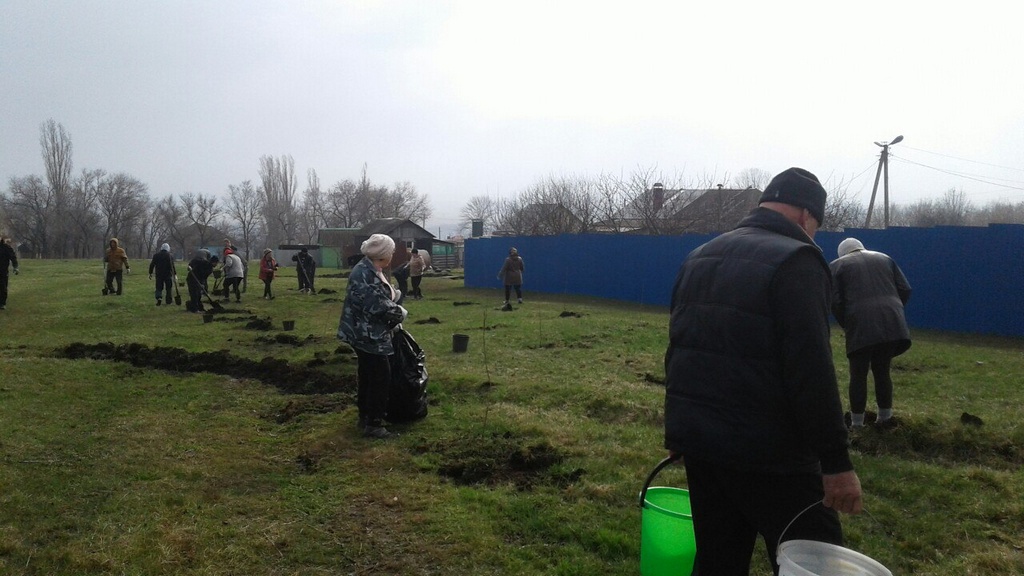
[883, 165]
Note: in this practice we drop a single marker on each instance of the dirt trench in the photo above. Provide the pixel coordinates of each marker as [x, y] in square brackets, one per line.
[287, 378]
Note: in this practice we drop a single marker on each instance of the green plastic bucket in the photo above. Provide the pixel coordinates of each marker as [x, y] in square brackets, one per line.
[667, 544]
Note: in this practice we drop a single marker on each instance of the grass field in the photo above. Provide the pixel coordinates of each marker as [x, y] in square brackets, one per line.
[137, 439]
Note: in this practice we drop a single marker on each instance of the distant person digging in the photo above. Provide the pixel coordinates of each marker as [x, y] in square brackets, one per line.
[305, 269]
[869, 292]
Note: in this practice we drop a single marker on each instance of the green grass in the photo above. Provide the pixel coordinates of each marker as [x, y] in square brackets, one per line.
[530, 461]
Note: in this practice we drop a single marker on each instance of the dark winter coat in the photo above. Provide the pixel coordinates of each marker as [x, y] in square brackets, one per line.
[304, 261]
[512, 270]
[8, 258]
[369, 314]
[868, 294]
[201, 269]
[163, 264]
[750, 383]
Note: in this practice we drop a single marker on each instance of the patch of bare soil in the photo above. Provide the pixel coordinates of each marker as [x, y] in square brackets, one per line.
[500, 458]
[280, 374]
[430, 320]
[319, 404]
[288, 340]
[959, 440]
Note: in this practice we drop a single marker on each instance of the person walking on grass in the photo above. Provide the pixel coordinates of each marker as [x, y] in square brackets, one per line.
[869, 292]
[511, 275]
[233, 273]
[268, 268]
[416, 269]
[368, 317]
[751, 402]
[116, 264]
[8, 259]
[163, 265]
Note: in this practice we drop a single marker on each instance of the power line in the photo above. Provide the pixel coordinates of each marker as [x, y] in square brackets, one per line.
[962, 175]
[962, 159]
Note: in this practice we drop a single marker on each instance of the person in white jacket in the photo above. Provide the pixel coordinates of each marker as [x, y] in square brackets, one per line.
[234, 271]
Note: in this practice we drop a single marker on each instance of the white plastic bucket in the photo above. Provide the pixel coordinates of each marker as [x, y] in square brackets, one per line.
[811, 558]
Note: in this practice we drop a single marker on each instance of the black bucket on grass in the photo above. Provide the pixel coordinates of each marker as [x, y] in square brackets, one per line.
[460, 343]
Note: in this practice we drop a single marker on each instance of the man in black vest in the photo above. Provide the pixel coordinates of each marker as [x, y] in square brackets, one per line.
[752, 404]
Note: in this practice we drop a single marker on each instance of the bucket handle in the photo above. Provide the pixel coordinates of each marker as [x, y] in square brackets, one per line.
[801, 513]
[650, 477]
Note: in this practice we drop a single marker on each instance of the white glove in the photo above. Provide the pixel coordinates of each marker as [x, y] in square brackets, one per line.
[398, 295]
[405, 313]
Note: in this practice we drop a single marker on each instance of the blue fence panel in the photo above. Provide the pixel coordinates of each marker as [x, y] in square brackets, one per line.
[964, 279]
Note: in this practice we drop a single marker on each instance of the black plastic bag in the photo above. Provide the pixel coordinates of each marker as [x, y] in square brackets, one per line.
[407, 400]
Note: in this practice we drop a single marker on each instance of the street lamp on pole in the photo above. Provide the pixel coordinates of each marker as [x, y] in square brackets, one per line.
[883, 165]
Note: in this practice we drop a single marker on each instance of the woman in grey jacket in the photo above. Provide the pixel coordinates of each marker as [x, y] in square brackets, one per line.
[869, 292]
[368, 317]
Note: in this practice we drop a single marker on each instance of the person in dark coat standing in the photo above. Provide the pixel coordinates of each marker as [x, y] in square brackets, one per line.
[163, 265]
[199, 269]
[8, 259]
[751, 400]
[511, 275]
[368, 317]
[305, 269]
[869, 293]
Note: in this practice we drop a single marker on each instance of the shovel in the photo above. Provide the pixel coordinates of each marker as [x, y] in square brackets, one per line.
[213, 304]
[177, 295]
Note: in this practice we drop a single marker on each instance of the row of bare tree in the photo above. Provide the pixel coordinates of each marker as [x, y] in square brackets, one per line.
[62, 215]
[650, 202]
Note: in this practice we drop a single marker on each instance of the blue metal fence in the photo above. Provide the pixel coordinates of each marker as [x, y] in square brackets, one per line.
[964, 279]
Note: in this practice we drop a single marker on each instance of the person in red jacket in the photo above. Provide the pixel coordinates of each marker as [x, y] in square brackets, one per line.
[268, 268]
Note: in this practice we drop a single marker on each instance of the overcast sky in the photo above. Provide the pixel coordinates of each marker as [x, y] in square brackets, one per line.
[475, 97]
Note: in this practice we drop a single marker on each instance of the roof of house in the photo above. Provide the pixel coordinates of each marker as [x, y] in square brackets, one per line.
[390, 225]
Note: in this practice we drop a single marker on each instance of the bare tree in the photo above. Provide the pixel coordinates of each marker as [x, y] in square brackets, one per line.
[201, 211]
[998, 212]
[342, 205]
[350, 204]
[312, 217]
[403, 201]
[85, 226]
[123, 201]
[245, 206]
[28, 207]
[841, 210]
[279, 186]
[480, 208]
[953, 209]
[56, 151]
[752, 178]
[151, 230]
[172, 217]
